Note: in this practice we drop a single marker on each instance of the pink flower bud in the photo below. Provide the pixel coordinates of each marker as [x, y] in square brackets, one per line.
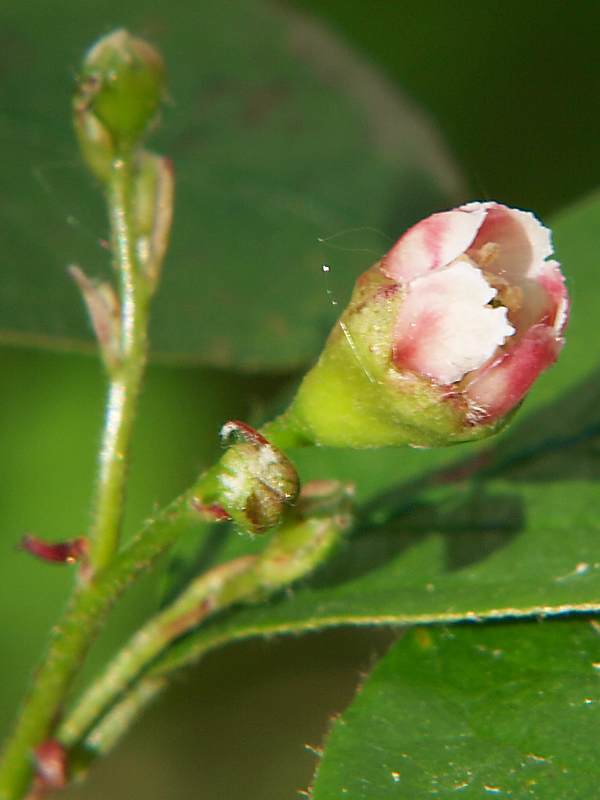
[484, 310]
[450, 329]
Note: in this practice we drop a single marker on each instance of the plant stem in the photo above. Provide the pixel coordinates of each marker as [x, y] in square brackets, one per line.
[109, 576]
[90, 602]
[201, 598]
[119, 720]
[126, 376]
[295, 550]
[83, 618]
[70, 640]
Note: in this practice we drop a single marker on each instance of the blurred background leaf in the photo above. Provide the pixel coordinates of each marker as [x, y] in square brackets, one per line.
[513, 86]
[280, 136]
[506, 710]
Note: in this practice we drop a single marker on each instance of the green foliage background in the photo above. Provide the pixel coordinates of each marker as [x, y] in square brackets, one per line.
[512, 88]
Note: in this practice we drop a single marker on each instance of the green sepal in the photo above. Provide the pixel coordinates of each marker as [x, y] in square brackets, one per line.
[253, 481]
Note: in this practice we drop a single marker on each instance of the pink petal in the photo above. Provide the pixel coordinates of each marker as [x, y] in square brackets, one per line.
[434, 242]
[445, 327]
[502, 385]
[552, 282]
[523, 241]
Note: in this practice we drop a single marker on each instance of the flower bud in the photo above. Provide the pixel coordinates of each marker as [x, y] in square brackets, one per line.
[119, 91]
[443, 337]
[253, 482]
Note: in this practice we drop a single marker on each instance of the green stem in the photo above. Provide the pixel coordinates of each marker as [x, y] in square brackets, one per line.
[83, 618]
[285, 432]
[92, 598]
[71, 638]
[200, 599]
[294, 551]
[126, 376]
[119, 720]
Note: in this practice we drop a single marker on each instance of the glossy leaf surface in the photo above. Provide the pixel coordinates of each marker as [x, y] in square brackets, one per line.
[500, 711]
[280, 137]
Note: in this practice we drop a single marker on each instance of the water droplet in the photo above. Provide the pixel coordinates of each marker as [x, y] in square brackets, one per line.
[326, 268]
[588, 701]
[492, 789]
[596, 665]
[396, 777]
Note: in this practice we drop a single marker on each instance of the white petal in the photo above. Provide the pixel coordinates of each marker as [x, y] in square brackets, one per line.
[445, 327]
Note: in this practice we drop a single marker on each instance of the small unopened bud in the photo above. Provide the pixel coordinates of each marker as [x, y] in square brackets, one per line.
[103, 308]
[253, 482]
[443, 337]
[119, 91]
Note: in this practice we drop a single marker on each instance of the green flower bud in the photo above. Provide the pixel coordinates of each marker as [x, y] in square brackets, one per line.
[119, 91]
[253, 483]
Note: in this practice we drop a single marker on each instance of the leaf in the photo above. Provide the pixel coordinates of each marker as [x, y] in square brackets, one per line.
[509, 529]
[505, 710]
[506, 47]
[280, 136]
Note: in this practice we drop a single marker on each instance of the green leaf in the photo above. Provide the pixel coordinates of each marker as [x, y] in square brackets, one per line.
[510, 529]
[280, 136]
[507, 710]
